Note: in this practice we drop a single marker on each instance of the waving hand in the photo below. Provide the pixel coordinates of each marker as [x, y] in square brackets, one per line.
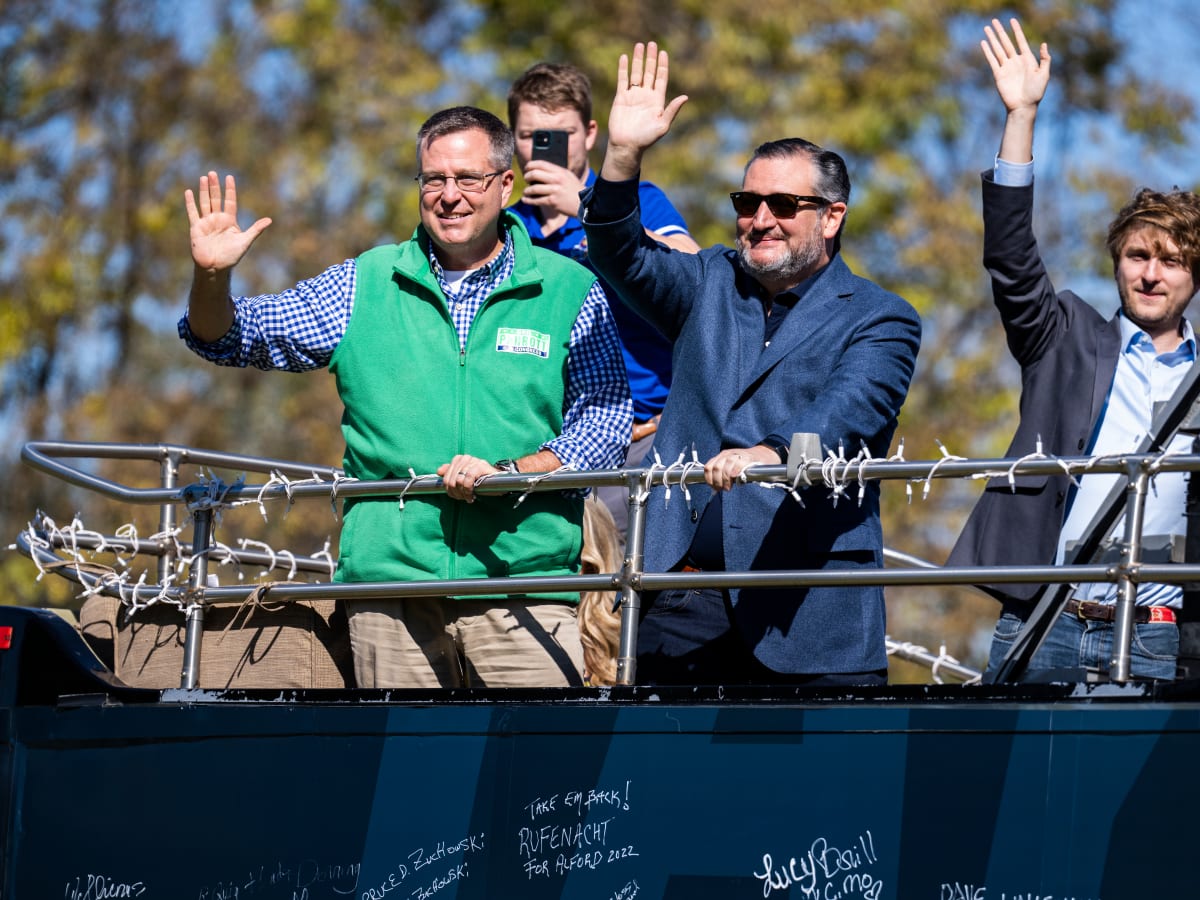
[217, 241]
[1021, 79]
[640, 112]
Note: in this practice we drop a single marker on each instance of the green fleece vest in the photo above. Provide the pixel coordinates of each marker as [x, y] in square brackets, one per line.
[413, 399]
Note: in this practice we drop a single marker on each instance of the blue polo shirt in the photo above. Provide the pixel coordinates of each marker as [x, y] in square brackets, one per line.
[647, 353]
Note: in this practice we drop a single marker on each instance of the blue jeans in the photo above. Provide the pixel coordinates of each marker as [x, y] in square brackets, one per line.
[1081, 643]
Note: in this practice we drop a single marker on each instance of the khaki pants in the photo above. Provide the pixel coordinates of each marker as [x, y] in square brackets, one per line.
[440, 642]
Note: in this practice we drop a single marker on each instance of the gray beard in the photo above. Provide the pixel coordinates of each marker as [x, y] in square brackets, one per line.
[795, 265]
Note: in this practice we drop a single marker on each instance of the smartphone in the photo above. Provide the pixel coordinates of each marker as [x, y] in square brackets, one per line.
[550, 146]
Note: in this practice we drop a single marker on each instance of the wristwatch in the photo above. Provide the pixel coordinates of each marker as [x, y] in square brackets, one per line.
[778, 446]
[508, 466]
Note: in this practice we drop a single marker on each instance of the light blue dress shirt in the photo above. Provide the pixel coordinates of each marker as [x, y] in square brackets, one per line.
[1142, 379]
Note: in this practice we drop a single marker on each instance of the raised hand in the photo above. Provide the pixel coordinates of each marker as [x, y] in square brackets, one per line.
[218, 243]
[1021, 77]
[640, 112]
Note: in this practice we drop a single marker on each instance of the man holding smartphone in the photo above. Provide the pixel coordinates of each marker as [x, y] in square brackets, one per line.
[550, 112]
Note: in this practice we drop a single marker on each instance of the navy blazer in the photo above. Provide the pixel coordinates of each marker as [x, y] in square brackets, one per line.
[1068, 356]
[838, 366]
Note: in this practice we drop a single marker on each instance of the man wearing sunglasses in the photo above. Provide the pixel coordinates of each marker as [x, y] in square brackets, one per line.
[464, 351]
[772, 338]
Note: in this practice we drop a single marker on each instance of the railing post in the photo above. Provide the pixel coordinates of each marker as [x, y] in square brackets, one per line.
[1135, 514]
[169, 474]
[631, 573]
[202, 522]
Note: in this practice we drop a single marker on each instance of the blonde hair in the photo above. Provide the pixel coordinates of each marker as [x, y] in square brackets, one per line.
[599, 626]
[1174, 213]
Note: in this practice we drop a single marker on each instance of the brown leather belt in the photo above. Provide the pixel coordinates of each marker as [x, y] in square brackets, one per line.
[644, 429]
[1107, 612]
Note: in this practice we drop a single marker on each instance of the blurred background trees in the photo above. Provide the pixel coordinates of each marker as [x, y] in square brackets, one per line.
[109, 109]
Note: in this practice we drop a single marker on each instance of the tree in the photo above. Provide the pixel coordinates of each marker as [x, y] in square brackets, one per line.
[112, 107]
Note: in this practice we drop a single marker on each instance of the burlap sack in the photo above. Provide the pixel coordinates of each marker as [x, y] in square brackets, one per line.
[292, 645]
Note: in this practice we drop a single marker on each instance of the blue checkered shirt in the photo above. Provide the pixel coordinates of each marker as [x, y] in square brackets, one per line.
[298, 330]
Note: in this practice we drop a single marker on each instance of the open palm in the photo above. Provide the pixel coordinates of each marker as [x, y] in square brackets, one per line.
[640, 113]
[217, 241]
[1021, 77]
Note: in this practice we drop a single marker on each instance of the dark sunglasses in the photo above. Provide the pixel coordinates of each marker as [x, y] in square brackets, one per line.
[782, 206]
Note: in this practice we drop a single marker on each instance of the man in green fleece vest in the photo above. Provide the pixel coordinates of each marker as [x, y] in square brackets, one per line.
[464, 351]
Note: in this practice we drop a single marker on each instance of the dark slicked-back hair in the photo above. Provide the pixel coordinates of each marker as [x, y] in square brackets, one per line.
[470, 118]
[1176, 214]
[553, 87]
[830, 178]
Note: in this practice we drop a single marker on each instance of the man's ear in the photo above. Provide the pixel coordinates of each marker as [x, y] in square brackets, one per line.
[506, 187]
[835, 215]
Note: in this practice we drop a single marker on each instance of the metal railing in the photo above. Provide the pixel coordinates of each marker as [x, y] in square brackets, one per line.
[202, 498]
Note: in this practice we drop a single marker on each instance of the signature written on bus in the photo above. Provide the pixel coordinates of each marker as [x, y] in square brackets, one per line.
[826, 870]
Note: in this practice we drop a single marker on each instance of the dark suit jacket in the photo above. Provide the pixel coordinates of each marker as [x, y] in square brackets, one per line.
[1068, 356]
[839, 366]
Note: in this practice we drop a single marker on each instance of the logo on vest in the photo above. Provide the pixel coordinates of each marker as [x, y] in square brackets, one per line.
[523, 340]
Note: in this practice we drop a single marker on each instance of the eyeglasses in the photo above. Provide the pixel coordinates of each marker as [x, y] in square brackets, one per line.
[471, 182]
[782, 206]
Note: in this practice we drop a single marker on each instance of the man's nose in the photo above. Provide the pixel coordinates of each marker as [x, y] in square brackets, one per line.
[763, 218]
[451, 192]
